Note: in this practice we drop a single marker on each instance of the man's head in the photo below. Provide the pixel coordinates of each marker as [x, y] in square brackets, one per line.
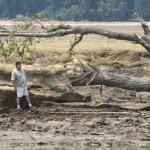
[18, 65]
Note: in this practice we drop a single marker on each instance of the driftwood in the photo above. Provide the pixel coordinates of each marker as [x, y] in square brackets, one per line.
[115, 80]
[63, 30]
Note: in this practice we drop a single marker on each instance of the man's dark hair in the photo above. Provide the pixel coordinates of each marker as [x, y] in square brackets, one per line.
[18, 63]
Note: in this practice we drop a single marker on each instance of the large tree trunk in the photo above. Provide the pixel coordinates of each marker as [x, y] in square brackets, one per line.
[115, 80]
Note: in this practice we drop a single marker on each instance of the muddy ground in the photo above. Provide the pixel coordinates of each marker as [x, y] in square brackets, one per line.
[115, 116]
[75, 124]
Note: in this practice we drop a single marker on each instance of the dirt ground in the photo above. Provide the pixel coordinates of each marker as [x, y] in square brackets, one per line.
[116, 116]
[75, 125]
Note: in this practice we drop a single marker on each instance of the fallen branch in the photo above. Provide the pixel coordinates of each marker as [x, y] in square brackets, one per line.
[63, 30]
[116, 80]
[77, 41]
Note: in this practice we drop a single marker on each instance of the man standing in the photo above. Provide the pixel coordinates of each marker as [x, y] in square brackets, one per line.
[18, 78]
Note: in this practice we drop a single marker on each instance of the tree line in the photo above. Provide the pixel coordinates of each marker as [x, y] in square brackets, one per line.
[77, 10]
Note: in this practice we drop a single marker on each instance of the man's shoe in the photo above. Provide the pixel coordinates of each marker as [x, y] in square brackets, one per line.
[19, 109]
[32, 107]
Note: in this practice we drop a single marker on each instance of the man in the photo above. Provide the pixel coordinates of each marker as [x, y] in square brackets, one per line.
[18, 78]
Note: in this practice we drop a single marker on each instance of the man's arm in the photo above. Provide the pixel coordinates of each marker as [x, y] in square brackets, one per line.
[13, 78]
[26, 72]
[14, 85]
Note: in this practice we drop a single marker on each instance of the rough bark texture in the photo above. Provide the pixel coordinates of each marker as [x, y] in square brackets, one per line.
[115, 80]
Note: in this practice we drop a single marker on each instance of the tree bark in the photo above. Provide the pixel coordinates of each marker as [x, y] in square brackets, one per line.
[116, 80]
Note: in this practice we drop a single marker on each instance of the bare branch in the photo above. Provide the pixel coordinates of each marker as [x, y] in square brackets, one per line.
[143, 23]
[64, 30]
[89, 75]
[60, 27]
[143, 42]
[77, 41]
[77, 30]
[53, 28]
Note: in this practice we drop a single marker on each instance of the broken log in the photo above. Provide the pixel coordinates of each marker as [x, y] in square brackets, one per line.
[116, 80]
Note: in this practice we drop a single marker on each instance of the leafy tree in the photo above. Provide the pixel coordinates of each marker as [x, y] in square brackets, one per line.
[93, 10]
[20, 48]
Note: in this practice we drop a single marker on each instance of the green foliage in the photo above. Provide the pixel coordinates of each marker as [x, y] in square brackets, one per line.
[93, 10]
[14, 47]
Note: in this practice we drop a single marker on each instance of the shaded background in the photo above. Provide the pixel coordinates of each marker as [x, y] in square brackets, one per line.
[77, 10]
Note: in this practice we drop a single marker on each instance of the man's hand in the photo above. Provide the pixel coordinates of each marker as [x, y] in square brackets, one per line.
[14, 85]
[15, 89]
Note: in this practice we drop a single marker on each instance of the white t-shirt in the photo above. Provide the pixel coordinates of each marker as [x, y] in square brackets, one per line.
[19, 76]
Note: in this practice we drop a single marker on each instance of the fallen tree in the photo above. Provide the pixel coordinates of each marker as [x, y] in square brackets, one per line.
[60, 79]
[115, 80]
[95, 76]
[63, 30]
